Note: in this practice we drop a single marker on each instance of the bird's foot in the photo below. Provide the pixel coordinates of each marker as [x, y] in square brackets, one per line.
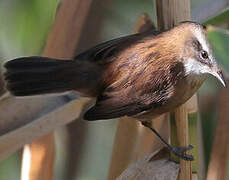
[181, 152]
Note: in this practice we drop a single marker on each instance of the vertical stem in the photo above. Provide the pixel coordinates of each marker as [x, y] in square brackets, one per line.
[147, 142]
[78, 130]
[181, 116]
[170, 13]
[132, 140]
[126, 136]
[61, 43]
[220, 151]
[38, 158]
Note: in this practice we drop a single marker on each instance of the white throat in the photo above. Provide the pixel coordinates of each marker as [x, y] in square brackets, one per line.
[195, 72]
[194, 67]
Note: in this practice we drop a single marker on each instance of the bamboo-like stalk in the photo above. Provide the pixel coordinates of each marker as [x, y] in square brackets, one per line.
[61, 43]
[182, 128]
[170, 13]
[132, 140]
[220, 151]
[77, 130]
[14, 140]
[38, 159]
[126, 136]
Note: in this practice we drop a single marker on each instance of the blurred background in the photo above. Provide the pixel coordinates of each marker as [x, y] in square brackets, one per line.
[24, 26]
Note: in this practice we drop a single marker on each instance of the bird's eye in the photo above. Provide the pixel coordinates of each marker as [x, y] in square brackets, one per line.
[204, 54]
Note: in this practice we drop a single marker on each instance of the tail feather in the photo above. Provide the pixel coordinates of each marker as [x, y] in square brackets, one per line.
[40, 75]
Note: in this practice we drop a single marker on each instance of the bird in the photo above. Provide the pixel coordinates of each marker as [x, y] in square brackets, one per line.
[141, 75]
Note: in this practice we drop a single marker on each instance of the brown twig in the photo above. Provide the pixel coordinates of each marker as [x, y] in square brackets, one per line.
[219, 154]
[61, 43]
[133, 141]
[15, 140]
[169, 14]
[77, 130]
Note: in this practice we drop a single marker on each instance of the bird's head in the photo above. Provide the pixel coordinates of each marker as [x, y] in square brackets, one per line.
[197, 55]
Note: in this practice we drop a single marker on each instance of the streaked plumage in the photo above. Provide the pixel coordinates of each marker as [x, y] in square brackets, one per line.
[138, 75]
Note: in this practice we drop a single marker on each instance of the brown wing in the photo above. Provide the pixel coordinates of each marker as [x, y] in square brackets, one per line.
[101, 53]
[144, 92]
[135, 81]
[118, 106]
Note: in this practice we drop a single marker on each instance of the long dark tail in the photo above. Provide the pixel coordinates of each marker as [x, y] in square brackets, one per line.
[40, 75]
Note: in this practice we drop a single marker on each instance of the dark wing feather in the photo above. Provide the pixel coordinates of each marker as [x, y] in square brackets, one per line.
[130, 101]
[117, 104]
[103, 51]
[105, 110]
[146, 93]
[116, 101]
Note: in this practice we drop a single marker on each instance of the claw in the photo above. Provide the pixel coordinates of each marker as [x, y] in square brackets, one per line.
[184, 149]
[187, 157]
[181, 152]
[177, 151]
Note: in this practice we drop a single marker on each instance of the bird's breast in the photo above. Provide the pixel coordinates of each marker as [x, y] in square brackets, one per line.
[183, 90]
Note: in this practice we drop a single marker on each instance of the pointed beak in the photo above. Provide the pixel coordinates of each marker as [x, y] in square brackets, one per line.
[219, 75]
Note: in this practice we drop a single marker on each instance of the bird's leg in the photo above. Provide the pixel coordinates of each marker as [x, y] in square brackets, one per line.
[177, 151]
